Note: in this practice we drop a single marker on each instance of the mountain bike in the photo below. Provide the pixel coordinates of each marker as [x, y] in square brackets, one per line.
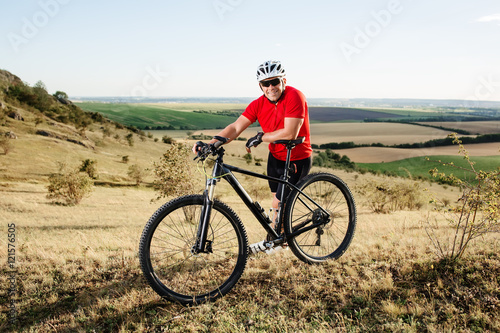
[195, 248]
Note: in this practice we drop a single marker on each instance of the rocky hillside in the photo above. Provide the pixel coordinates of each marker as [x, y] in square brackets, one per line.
[39, 130]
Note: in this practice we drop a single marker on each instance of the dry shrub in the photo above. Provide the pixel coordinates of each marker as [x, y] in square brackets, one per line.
[5, 144]
[89, 167]
[173, 173]
[137, 174]
[476, 213]
[70, 186]
[388, 196]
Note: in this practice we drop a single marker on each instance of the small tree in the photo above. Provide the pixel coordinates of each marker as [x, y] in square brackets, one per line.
[248, 158]
[476, 212]
[60, 95]
[5, 144]
[173, 172]
[89, 167]
[106, 132]
[71, 186]
[168, 140]
[136, 173]
[130, 139]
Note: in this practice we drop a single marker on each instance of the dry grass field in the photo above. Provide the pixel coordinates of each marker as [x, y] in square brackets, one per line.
[77, 271]
[476, 127]
[379, 154]
[76, 267]
[386, 133]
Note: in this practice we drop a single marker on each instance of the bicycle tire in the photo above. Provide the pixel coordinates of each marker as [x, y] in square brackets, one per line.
[168, 264]
[331, 239]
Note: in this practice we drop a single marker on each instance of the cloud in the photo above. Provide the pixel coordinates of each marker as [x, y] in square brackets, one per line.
[490, 18]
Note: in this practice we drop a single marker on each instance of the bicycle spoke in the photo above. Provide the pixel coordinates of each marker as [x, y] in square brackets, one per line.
[327, 194]
[174, 270]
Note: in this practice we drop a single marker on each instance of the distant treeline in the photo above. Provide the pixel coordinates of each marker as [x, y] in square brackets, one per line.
[230, 113]
[168, 128]
[448, 118]
[451, 129]
[487, 138]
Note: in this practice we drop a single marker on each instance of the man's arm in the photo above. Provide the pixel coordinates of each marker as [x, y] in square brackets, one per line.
[289, 132]
[232, 131]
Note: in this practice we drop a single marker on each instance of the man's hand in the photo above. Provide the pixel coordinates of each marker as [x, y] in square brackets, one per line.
[198, 145]
[254, 141]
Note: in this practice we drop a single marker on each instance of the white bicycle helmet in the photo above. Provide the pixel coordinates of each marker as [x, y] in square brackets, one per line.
[270, 68]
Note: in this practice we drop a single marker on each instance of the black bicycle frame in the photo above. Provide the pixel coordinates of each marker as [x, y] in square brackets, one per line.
[225, 171]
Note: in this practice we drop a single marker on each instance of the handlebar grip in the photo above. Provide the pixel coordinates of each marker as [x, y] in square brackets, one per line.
[220, 141]
[217, 144]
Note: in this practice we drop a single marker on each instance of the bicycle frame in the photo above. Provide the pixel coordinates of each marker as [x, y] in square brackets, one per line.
[225, 171]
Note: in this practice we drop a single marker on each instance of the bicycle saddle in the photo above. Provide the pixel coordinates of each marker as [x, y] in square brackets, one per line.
[297, 141]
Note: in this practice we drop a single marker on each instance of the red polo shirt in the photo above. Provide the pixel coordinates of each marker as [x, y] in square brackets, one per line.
[271, 117]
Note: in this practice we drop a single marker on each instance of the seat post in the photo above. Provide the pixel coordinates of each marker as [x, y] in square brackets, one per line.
[289, 144]
[286, 176]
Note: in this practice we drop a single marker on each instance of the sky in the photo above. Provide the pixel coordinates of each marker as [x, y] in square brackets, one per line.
[439, 49]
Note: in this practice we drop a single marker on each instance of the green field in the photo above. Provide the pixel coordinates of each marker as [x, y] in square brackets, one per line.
[420, 166]
[151, 116]
[217, 115]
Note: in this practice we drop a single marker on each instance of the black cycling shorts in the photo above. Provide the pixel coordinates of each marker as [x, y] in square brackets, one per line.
[276, 168]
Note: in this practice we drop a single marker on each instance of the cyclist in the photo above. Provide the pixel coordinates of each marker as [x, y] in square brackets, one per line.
[283, 115]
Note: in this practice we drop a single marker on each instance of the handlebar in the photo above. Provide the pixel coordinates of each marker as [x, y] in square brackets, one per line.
[212, 148]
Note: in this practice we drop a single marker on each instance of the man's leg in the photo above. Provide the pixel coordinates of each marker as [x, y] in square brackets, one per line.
[274, 205]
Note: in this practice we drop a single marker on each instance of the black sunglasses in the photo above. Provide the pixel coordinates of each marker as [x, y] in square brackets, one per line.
[273, 82]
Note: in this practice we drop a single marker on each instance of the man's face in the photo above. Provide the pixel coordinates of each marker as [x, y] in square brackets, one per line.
[274, 89]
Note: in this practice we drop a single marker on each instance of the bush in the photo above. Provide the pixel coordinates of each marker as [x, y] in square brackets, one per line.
[476, 212]
[248, 158]
[168, 140]
[330, 159]
[89, 167]
[386, 197]
[173, 172]
[71, 186]
[136, 173]
[130, 139]
[5, 144]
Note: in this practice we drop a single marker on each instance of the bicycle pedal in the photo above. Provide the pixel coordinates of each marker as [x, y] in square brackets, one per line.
[258, 247]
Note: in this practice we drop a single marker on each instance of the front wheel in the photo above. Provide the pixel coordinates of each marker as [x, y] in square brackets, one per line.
[171, 265]
[323, 216]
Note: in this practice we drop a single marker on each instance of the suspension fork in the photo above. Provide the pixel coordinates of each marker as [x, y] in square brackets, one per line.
[202, 244]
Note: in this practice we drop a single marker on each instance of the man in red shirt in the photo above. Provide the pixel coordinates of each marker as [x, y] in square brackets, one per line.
[283, 115]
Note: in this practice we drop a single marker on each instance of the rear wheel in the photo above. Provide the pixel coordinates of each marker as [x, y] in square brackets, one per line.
[171, 266]
[330, 229]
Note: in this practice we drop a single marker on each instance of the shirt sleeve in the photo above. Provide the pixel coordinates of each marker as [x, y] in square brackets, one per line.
[251, 111]
[297, 106]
